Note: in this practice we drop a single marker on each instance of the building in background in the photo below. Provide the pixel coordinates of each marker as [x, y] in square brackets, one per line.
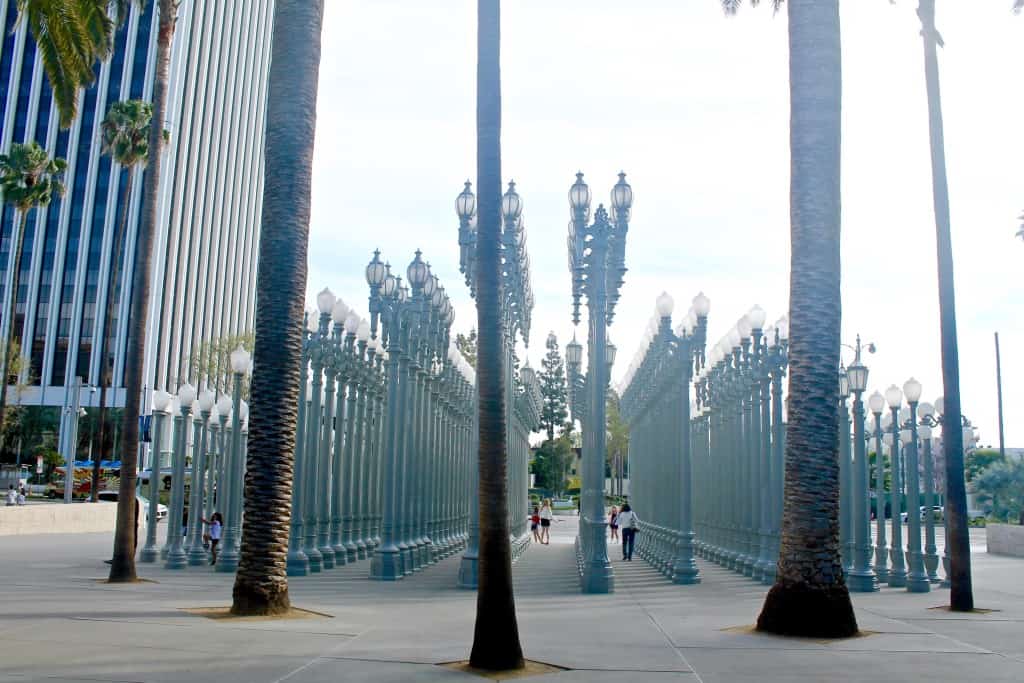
[204, 261]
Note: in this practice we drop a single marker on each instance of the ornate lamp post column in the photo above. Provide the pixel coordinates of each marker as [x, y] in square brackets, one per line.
[931, 557]
[298, 563]
[346, 485]
[861, 577]
[917, 579]
[314, 468]
[385, 305]
[877, 404]
[161, 399]
[338, 371]
[176, 556]
[898, 573]
[196, 550]
[603, 263]
[845, 479]
[228, 559]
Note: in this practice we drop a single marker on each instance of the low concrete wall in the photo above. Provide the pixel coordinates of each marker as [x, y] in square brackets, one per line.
[1005, 539]
[57, 518]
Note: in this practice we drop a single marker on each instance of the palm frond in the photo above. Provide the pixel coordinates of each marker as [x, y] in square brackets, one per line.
[29, 177]
[71, 37]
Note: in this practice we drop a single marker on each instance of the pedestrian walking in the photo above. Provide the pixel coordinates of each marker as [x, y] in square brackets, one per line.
[12, 496]
[545, 521]
[216, 524]
[21, 495]
[628, 522]
[613, 523]
[535, 524]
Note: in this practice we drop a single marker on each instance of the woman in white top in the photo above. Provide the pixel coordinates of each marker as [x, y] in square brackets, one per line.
[628, 521]
[545, 521]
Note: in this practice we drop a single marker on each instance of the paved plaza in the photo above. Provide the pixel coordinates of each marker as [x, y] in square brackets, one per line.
[60, 624]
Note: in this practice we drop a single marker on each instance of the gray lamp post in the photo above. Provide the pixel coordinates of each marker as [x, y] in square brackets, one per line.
[917, 579]
[176, 556]
[931, 557]
[862, 577]
[597, 262]
[227, 561]
[161, 400]
[877, 404]
[177, 425]
[298, 562]
[337, 372]
[845, 480]
[387, 306]
[196, 552]
[898, 573]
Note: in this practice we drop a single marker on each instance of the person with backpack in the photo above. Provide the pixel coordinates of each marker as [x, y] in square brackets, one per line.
[628, 523]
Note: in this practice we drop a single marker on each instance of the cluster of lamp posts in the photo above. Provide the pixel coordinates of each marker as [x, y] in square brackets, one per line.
[523, 400]
[216, 451]
[384, 440]
[906, 433]
[707, 469]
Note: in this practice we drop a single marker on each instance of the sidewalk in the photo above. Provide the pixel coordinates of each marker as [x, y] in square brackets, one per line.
[60, 624]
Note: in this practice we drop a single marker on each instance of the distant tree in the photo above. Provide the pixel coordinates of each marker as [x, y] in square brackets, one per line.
[209, 365]
[551, 464]
[979, 460]
[466, 343]
[1001, 489]
[29, 179]
[553, 389]
[618, 438]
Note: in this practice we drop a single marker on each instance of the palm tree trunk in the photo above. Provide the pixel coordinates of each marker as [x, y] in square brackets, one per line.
[107, 369]
[261, 584]
[12, 306]
[122, 568]
[496, 636]
[961, 595]
[810, 597]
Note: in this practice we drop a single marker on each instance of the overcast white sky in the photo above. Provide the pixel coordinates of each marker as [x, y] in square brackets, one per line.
[694, 107]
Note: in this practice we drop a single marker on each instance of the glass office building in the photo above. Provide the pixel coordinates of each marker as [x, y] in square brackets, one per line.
[204, 259]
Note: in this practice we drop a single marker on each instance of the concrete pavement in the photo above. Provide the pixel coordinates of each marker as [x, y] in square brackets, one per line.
[60, 624]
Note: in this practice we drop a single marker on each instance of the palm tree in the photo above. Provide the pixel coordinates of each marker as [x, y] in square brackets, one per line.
[961, 595]
[810, 597]
[71, 35]
[261, 583]
[125, 138]
[496, 636]
[122, 568]
[29, 178]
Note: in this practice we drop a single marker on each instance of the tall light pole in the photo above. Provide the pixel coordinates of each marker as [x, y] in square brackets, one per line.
[161, 400]
[597, 261]
[862, 577]
[877, 404]
[898, 573]
[917, 579]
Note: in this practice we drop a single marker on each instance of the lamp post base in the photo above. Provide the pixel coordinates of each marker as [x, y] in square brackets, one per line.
[863, 581]
[386, 564]
[298, 564]
[176, 558]
[149, 554]
[469, 573]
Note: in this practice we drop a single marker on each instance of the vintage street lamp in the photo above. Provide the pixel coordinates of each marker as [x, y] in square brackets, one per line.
[161, 401]
[176, 556]
[862, 577]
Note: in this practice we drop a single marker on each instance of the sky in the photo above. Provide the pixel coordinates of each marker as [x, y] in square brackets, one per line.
[694, 107]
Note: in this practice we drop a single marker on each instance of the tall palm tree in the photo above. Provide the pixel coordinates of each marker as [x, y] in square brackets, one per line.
[961, 594]
[125, 133]
[71, 35]
[496, 635]
[29, 178]
[810, 597]
[122, 568]
[261, 583]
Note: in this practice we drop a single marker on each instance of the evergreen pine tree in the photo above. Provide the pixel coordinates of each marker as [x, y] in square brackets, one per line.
[553, 388]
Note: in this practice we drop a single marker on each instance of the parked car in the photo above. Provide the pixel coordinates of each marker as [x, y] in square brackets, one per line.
[161, 509]
[937, 513]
